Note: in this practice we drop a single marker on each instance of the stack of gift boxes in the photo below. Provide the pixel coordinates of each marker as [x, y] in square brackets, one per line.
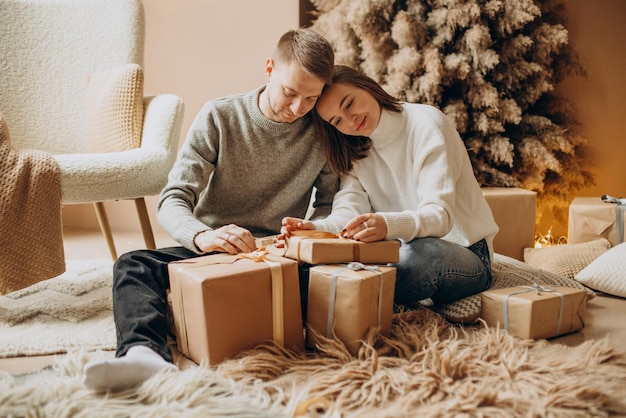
[225, 304]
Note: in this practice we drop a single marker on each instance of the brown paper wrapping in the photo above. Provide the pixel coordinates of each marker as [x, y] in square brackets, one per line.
[514, 212]
[224, 304]
[589, 219]
[358, 303]
[314, 250]
[535, 314]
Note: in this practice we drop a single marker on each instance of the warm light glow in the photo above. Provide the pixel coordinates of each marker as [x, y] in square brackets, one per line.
[548, 240]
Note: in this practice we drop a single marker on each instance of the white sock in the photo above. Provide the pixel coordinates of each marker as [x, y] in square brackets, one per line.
[139, 364]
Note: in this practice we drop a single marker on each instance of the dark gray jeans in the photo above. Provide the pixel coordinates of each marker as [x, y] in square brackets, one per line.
[440, 270]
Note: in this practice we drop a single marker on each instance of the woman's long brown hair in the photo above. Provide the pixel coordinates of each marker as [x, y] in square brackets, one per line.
[343, 150]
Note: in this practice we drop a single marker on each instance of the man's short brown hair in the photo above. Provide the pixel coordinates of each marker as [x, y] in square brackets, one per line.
[310, 50]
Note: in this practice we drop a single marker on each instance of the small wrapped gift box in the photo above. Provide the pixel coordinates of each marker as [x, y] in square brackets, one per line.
[224, 304]
[514, 211]
[535, 312]
[318, 247]
[591, 218]
[346, 300]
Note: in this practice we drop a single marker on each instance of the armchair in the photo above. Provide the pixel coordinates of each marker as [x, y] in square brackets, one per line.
[49, 50]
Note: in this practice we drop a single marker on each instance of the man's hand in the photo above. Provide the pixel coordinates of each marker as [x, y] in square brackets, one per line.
[230, 239]
[368, 227]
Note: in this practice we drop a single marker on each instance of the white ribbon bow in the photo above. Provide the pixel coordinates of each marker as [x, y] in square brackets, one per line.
[537, 288]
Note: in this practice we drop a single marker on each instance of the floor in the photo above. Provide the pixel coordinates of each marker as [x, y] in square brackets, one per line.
[605, 314]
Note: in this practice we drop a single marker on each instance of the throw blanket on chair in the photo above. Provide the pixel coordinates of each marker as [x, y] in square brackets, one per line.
[31, 233]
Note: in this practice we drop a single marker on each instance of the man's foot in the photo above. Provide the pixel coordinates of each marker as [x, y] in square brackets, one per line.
[139, 364]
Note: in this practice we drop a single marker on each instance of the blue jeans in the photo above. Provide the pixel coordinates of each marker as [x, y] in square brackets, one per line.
[440, 270]
[140, 284]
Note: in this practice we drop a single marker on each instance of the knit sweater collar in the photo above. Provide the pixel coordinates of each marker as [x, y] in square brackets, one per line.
[263, 121]
[388, 129]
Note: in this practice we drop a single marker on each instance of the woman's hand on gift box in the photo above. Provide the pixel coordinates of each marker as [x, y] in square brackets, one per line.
[230, 239]
[368, 227]
[293, 224]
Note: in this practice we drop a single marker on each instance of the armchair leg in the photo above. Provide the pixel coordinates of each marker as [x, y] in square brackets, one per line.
[144, 221]
[103, 220]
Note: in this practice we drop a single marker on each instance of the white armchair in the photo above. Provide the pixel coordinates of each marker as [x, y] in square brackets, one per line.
[48, 49]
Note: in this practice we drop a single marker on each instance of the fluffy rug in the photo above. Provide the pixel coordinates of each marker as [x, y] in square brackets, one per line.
[67, 312]
[427, 367]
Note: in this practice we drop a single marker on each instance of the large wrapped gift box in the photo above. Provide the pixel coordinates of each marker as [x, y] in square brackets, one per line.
[224, 304]
[514, 211]
[325, 248]
[347, 300]
[535, 312]
[591, 218]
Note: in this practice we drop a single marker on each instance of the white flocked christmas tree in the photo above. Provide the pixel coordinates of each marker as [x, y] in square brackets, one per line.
[491, 66]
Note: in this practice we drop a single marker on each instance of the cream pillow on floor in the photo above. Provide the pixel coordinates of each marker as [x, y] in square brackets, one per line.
[114, 108]
[607, 273]
[566, 260]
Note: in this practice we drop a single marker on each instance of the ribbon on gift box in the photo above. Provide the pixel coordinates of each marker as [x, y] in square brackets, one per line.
[619, 215]
[355, 266]
[261, 254]
[314, 234]
[537, 289]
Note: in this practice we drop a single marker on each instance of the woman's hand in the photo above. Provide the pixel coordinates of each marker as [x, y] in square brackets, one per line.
[294, 224]
[230, 239]
[368, 227]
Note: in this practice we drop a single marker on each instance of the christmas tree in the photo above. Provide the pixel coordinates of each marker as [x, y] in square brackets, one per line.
[491, 66]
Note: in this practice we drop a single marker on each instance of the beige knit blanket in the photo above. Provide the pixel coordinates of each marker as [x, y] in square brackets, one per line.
[31, 233]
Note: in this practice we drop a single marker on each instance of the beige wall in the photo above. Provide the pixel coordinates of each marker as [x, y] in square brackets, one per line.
[202, 49]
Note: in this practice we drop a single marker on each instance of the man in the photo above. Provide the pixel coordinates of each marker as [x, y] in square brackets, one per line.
[248, 161]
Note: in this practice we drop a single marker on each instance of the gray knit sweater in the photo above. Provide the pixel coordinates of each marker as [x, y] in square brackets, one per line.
[237, 166]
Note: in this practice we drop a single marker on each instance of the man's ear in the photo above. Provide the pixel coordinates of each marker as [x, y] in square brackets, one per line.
[269, 67]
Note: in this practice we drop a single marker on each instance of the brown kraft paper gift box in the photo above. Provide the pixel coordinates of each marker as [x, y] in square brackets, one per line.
[514, 211]
[318, 247]
[590, 218]
[526, 312]
[362, 297]
[224, 304]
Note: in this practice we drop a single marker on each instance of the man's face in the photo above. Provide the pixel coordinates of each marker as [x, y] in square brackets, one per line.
[290, 92]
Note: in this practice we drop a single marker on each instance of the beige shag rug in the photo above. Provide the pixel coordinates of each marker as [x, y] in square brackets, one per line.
[427, 368]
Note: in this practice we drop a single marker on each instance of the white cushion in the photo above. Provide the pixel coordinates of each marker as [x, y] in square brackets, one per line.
[114, 108]
[607, 273]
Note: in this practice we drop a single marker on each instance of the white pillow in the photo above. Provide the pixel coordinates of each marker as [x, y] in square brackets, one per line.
[607, 273]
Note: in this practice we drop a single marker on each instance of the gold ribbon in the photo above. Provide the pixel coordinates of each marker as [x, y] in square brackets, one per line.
[314, 234]
[278, 324]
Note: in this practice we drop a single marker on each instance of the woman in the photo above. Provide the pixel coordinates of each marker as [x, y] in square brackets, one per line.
[405, 175]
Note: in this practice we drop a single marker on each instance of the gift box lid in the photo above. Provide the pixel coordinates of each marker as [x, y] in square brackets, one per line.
[319, 247]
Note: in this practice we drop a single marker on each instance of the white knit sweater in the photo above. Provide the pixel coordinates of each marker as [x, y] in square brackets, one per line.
[418, 175]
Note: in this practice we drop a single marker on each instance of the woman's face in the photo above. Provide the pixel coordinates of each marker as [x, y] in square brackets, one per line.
[352, 110]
